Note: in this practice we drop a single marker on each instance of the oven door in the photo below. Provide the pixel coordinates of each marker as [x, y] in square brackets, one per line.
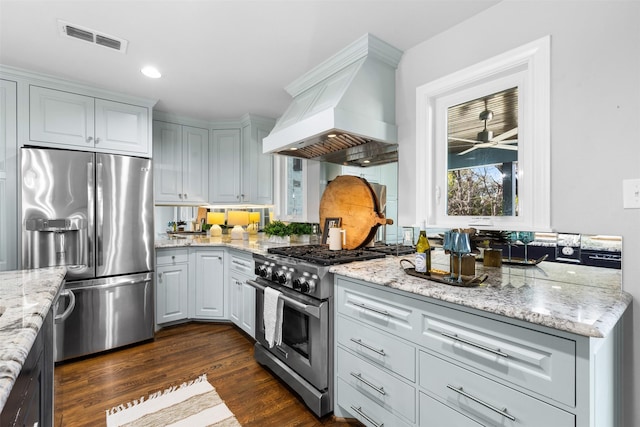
[305, 333]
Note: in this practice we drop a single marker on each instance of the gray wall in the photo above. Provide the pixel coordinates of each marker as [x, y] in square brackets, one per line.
[595, 120]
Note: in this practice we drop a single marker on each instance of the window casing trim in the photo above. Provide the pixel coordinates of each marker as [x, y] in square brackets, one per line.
[533, 61]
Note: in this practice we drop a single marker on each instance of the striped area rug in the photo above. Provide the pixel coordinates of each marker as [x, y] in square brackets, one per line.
[193, 404]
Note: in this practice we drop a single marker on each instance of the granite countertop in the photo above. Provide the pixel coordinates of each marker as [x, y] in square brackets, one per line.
[26, 297]
[579, 299]
[255, 244]
[574, 298]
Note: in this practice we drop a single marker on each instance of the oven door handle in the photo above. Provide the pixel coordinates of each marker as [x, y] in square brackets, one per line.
[309, 309]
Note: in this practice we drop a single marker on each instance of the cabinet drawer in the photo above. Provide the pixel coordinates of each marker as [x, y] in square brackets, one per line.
[436, 414]
[484, 400]
[378, 308]
[369, 412]
[377, 347]
[534, 360]
[172, 256]
[242, 265]
[380, 387]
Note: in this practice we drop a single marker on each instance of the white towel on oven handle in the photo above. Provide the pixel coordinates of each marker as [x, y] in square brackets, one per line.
[272, 314]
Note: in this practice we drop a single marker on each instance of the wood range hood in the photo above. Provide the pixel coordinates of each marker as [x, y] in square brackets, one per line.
[343, 111]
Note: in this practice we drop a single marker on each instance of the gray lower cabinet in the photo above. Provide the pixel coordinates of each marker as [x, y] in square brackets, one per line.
[172, 285]
[190, 284]
[208, 296]
[436, 414]
[242, 296]
[31, 400]
[403, 359]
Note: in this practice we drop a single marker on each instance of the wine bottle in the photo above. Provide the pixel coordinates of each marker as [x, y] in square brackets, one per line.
[423, 251]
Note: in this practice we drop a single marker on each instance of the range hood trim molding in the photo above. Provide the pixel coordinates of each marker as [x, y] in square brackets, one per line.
[366, 46]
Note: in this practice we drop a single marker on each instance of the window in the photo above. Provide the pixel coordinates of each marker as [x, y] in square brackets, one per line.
[482, 155]
[494, 176]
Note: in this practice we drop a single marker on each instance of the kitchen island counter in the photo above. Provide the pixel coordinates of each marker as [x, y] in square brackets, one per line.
[26, 297]
[582, 300]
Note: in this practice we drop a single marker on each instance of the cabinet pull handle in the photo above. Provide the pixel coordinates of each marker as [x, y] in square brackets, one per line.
[366, 307]
[471, 343]
[97, 140]
[89, 138]
[360, 412]
[185, 195]
[368, 347]
[502, 412]
[358, 376]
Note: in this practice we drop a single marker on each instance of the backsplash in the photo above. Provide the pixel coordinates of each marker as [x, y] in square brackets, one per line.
[596, 250]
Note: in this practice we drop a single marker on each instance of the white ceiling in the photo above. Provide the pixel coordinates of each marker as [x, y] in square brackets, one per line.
[219, 59]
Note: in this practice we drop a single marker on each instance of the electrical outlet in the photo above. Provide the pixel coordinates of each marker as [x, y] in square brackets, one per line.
[631, 193]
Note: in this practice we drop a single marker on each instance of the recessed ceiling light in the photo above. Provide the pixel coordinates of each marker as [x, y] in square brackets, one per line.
[151, 72]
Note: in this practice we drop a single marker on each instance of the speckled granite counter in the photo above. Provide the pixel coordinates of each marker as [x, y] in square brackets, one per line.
[256, 244]
[582, 300]
[26, 297]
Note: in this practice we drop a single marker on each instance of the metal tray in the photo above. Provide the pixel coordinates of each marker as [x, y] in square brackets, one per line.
[467, 281]
[522, 261]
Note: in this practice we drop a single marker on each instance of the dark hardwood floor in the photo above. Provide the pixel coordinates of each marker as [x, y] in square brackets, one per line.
[86, 388]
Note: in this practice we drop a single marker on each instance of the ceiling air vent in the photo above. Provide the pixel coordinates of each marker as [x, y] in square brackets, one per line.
[92, 36]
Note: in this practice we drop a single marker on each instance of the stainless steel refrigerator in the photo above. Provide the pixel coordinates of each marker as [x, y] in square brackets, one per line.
[93, 213]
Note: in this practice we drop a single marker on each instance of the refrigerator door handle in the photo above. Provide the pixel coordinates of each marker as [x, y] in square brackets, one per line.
[99, 214]
[72, 304]
[88, 251]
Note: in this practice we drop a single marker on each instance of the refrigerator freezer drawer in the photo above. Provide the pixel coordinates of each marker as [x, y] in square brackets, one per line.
[108, 313]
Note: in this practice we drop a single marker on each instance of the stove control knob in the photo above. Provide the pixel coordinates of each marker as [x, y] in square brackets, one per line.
[261, 270]
[304, 284]
[281, 276]
[297, 283]
[308, 286]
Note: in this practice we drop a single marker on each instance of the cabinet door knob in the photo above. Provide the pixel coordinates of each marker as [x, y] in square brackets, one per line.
[185, 195]
[89, 138]
[97, 140]
[173, 257]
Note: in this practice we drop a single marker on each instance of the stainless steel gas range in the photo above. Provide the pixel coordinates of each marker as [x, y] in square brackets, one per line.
[304, 360]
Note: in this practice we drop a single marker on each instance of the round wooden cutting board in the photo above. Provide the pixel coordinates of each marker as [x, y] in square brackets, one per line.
[352, 199]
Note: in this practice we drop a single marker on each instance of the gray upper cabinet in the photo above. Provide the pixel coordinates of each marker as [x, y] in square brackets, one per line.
[257, 172]
[181, 163]
[75, 121]
[225, 167]
[8, 176]
[239, 172]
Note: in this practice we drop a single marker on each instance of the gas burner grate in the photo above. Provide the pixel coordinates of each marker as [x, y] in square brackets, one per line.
[321, 255]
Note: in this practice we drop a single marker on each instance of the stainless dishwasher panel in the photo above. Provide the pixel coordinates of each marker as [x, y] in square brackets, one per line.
[109, 313]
